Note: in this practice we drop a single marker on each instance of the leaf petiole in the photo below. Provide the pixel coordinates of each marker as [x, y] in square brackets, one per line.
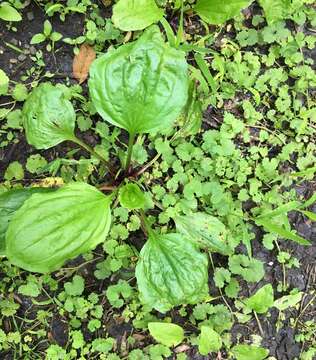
[129, 151]
[92, 152]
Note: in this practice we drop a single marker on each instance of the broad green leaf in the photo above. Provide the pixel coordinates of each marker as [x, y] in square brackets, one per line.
[217, 11]
[8, 12]
[274, 10]
[141, 86]
[49, 118]
[262, 300]
[209, 341]
[51, 228]
[131, 15]
[171, 271]
[249, 352]
[10, 202]
[205, 230]
[287, 301]
[166, 333]
[286, 234]
[4, 83]
[131, 197]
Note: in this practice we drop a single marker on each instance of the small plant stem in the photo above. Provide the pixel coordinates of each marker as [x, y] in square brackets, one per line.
[92, 152]
[259, 324]
[148, 165]
[145, 224]
[220, 290]
[129, 151]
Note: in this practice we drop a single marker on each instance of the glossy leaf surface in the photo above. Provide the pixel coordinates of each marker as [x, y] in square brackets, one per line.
[9, 13]
[141, 86]
[49, 118]
[132, 197]
[217, 11]
[10, 202]
[206, 230]
[131, 15]
[171, 271]
[50, 229]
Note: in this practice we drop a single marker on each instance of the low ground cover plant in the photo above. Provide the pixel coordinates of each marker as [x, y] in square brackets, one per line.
[166, 209]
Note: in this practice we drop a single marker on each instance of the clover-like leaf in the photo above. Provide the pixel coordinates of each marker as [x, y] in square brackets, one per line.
[49, 118]
[52, 228]
[141, 86]
[171, 271]
[206, 230]
[10, 202]
[131, 197]
[131, 15]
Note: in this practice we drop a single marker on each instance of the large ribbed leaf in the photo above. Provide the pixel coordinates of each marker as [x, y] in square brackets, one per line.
[131, 15]
[218, 11]
[49, 118]
[171, 271]
[206, 231]
[10, 202]
[141, 86]
[50, 229]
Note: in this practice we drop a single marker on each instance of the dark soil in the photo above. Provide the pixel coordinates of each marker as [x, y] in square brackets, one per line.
[281, 341]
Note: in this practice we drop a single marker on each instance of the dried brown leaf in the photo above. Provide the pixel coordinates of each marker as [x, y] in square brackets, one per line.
[82, 62]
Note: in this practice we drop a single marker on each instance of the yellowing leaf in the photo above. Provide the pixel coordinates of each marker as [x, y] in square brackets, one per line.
[82, 62]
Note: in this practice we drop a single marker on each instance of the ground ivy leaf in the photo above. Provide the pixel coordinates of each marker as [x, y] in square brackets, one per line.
[14, 171]
[35, 163]
[141, 86]
[249, 352]
[166, 333]
[217, 12]
[250, 269]
[209, 341]
[32, 288]
[75, 287]
[262, 300]
[171, 271]
[131, 15]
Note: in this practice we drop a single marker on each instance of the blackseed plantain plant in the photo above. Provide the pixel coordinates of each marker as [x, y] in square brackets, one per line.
[142, 86]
